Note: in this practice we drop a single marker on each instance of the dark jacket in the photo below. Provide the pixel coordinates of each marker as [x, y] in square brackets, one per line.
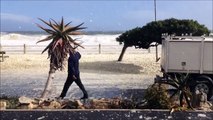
[73, 63]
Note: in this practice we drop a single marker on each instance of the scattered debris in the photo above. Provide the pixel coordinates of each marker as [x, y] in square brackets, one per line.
[102, 103]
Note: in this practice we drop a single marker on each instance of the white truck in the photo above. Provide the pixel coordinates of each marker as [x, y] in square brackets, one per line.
[189, 55]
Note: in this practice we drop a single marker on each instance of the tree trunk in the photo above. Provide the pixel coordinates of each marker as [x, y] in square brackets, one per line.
[48, 84]
[122, 53]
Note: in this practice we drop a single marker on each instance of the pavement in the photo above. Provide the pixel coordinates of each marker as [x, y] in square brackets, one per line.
[98, 85]
[103, 115]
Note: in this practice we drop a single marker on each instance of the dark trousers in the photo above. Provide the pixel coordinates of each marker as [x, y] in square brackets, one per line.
[69, 82]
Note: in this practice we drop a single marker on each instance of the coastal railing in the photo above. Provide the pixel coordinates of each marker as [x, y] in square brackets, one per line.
[89, 49]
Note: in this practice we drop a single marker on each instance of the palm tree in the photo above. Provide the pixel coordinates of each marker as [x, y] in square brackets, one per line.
[59, 47]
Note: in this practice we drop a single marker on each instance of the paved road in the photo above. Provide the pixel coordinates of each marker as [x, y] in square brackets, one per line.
[101, 86]
[104, 115]
[104, 85]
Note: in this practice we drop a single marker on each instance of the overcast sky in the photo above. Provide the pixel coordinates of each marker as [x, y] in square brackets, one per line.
[101, 15]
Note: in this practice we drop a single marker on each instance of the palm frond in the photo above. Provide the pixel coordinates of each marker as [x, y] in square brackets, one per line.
[46, 39]
[46, 30]
[75, 28]
[73, 41]
[187, 100]
[72, 29]
[75, 33]
[62, 24]
[176, 79]
[179, 82]
[173, 94]
[54, 21]
[48, 46]
[186, 78]
[68, 24]
[54, 26]
[45, 22]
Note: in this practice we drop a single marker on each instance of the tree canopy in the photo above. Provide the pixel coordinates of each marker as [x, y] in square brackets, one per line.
[142, 37]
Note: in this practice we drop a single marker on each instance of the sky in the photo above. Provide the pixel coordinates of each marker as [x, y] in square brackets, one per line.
[100, 15]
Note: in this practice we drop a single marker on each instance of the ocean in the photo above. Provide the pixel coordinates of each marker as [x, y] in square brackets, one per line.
[94, 42]
[31, 37]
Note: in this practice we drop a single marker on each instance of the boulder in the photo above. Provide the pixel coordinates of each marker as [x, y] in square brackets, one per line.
[27, 103]
[199, 101]
[69, 104]
[100, 103]
[79, 104]
[25, 100]
[205, 106]
[50, 105]
[27, 106]
[3, 105]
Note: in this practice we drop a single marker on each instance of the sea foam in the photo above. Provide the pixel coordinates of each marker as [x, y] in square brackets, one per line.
[29, 39]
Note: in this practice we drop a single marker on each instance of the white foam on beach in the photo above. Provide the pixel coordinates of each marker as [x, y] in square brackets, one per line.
[20, 39]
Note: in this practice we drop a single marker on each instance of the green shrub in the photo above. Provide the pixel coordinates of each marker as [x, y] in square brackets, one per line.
[12, 102]
[156, 97]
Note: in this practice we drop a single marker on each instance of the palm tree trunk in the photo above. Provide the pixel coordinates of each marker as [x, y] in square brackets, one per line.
[122, 53]
[48, 84]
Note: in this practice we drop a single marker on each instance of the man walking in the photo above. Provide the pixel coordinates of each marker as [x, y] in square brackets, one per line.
[73, 75]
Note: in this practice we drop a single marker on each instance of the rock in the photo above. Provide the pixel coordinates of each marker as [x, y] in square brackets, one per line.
[128, 104]
[27, 106]
[38, 101]
[115, 103]
[199, 101]
[76, 104]
[100, 103]
[3, 105]
[205, 106]
[199, 98]
[25, 100]
[55, 105]
[50, 105]
[28, 103]
[69, 105]
[79, 104]
[195, 99]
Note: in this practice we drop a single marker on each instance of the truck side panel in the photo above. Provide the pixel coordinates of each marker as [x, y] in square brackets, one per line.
[208, 57]
[184, 56]
[187, 56]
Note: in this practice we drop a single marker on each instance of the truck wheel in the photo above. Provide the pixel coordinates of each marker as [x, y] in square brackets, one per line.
[205, 85]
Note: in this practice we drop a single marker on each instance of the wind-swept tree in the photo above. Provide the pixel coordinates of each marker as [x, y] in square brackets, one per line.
[61, 44]
[142, 37]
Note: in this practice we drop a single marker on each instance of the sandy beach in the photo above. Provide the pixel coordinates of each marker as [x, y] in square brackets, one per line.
[102, 75]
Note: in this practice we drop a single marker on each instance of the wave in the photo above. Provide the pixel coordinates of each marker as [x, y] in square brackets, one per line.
[31, 39]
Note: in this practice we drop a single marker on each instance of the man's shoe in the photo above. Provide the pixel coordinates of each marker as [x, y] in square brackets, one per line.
[85, 97]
